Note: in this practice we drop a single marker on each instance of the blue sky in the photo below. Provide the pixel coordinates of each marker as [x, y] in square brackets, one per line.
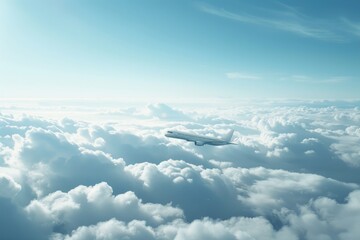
[163, 50]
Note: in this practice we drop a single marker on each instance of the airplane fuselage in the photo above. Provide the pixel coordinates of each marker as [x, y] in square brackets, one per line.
[199, 140]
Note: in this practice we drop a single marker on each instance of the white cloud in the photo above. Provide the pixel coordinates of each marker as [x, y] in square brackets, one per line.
[309, 152]
[109, 230]
[265, 190]
[277, 152]
[234, 228]
[325, 218]
[8, 186]
[89, 205]
[71, 179]
[309, 140]
[163, 111]
[348, 150]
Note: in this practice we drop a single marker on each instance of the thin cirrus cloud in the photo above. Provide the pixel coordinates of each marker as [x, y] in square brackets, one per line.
[288, 20]
[310, 79]
[352, 27]
[294, 78]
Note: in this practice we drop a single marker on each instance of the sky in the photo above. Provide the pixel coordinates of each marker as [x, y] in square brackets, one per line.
[168, 50]
[89, 88]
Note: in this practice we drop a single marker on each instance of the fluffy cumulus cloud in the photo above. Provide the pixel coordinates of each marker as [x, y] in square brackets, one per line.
[292, 175]
[89, 205]
[234, 228]
[8, 187]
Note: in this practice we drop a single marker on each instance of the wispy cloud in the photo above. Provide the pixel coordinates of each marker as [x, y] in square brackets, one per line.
[309, 79]
[242, 76]
[352, 27]
[288, 19]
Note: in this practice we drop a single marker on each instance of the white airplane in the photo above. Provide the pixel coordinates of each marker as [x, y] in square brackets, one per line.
[201, 140]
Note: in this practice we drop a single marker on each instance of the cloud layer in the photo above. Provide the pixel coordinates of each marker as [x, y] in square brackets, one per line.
[292, 175]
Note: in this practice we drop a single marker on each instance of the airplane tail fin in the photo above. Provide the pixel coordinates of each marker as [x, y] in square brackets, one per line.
[229, 135]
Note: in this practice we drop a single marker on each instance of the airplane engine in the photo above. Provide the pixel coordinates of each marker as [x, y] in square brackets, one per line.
[199, 143]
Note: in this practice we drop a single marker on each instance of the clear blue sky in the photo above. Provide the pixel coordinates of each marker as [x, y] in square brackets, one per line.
[178, 49]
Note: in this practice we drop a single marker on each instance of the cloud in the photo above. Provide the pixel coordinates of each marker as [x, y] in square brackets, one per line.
[348, 150]
[8, 187]
[286, 19]
[326, 218]
[235, 228]
[286, 132]
[265, 190]
[293, 171]
[89, 205]
[212, 194]
[112, 229]
[314, 80]
[352, 27]
[164, 112]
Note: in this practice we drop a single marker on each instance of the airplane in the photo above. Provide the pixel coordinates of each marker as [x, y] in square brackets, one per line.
[200, 140]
